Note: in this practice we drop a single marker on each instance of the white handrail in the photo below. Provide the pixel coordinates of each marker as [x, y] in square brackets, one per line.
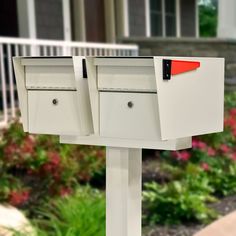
[43, 42]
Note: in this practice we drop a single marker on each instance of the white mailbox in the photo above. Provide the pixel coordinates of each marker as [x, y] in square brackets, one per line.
[135, 105]
[137, 102]
[126, 104]
[53, 95]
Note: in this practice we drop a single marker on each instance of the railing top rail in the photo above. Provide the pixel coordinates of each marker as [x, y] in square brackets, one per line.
[42, 42]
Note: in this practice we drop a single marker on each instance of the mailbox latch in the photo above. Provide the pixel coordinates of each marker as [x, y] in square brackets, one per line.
[175, 67]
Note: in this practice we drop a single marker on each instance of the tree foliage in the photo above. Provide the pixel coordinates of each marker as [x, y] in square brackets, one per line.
[208, 19]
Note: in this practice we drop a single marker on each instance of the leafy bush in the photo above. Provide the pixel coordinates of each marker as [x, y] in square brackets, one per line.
[180, 200]
[81, 214]
[195, 176]
[36, 167]
[208, 20]
[230, 100]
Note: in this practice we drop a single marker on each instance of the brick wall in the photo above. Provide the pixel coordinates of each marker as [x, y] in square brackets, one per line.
[192, 47]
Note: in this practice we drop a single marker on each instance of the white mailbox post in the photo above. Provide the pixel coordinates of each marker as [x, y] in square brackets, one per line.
[125, 104]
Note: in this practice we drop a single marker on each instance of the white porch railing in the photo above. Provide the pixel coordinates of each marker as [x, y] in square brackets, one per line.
[10, 47]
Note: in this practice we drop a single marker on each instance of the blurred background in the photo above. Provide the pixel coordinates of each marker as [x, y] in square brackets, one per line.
[183, 191]
[112, 27]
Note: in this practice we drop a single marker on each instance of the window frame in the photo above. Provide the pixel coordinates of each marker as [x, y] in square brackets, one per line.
[149, 23]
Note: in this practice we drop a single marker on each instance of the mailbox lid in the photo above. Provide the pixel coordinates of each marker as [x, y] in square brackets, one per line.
[49, 73]
[125, 74]
[191, 103]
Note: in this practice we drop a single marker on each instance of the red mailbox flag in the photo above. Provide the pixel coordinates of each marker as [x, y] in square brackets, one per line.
[178, 67]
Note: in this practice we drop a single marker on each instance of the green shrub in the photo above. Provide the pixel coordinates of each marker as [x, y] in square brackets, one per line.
[81, 214]
[230, 100]
[223, 180]
[180, 200]
[195, 176]
[208, 20]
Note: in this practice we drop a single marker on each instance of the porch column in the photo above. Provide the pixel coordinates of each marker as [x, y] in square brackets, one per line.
[122, 18]
[226, 19]
[27, 22]
[26, 18]
[110, 21]
[79, 27]
[66, 20]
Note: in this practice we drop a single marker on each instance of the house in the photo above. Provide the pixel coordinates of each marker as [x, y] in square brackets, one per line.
[98, 20]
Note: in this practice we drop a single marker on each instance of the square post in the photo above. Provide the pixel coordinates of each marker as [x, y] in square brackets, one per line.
[123, 191]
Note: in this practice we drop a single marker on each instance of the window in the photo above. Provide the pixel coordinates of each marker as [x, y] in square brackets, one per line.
[156, 17]
[163, 17]
[170, 15]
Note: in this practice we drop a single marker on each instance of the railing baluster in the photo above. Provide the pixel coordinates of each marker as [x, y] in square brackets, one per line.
[73, 51]
[11, 83]
[51, 51]
[94, 52]
[45, 53]
[79, 51]
[100, 52]
[16, 50]
[24, 50]
[76, 51]
[3, 85]
[33, 50]
[58, 51]
[110, 52]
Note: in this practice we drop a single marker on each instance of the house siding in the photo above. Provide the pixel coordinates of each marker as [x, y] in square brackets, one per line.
[188, 18]
[49, 19]
[137, 19]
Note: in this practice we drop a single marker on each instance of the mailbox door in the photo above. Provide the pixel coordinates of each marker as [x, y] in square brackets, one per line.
[129, 116]
[191, 102]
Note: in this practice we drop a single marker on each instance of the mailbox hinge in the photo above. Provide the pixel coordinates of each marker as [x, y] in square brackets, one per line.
[166, 69]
